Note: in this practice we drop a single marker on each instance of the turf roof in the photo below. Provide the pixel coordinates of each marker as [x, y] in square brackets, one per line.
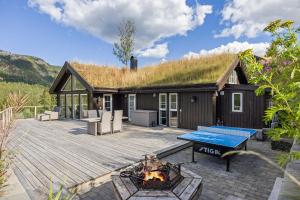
[206, 69]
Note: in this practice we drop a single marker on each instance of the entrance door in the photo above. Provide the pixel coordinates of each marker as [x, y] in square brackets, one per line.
[163, 109]
[107, 102]
[131, 104]
[173, 113]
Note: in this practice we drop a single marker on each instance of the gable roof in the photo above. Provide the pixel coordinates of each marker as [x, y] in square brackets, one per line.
[206, 70]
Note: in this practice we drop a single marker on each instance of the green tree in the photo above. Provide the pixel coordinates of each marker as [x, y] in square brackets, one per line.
[123, 50]
[46, 99]
[279, 72]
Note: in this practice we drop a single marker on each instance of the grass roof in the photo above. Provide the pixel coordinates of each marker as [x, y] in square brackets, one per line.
[206, 69]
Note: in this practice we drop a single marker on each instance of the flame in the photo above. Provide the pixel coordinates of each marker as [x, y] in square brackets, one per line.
[153, 175]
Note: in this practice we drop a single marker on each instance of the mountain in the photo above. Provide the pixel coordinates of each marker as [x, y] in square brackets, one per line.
[26, 69]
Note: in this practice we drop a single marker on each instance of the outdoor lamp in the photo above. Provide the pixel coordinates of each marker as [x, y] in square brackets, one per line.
[193, 99]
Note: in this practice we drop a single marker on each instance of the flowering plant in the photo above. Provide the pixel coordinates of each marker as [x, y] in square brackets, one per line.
[279, 72]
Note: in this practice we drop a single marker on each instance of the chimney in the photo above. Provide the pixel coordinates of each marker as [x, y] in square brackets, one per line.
[133, 63]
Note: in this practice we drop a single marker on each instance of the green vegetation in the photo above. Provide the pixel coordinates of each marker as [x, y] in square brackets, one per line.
[26, 69]
[280, 73]
[34, 92]
[124, 49]
[59, 194]
[206, 69]
[29, 75]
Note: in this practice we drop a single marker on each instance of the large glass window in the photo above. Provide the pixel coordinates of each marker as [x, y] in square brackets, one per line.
[76, 106]
[78, 85]
[84, 101]
[68, 85]
[69, 109]
[62, 106]
[237, 102]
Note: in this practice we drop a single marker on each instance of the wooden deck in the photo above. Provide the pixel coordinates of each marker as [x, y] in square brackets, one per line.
[63, 152]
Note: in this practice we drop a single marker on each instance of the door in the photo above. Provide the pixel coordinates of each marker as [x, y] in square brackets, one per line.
[163, 109]
[173, 111]
[107, 102]
[131, 104]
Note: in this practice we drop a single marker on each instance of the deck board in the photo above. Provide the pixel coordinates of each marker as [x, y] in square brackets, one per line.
[63, 152]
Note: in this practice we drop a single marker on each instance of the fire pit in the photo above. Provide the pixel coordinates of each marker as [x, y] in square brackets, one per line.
[152, 178]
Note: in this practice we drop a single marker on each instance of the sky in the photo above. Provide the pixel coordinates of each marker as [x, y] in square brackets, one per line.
[85, 30]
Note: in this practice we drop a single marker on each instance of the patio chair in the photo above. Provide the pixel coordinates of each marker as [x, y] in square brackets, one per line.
[84, 114]
[117, 121]
[92, 114]
[104, 126]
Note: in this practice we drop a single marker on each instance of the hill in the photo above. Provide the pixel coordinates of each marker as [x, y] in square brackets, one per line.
[26, 69]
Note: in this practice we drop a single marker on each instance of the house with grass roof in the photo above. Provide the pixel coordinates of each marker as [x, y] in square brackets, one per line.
[185, 93]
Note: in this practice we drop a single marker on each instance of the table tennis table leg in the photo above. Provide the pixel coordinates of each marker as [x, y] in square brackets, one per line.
[193, 153]
[245, 146]
[227, 164]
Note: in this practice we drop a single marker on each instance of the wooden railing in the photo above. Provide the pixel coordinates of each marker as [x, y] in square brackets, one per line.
[6, 116]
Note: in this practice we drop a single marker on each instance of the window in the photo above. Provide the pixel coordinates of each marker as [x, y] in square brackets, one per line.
[237, 102]
[233, 78]
[107, 101]
[68, 85]
[77, 84]
[173, 115]
[163, 109]
[131, 104]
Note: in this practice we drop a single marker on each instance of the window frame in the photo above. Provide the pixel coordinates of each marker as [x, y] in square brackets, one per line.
[134, 105]
[162, 109]
[232, 102]
[111, 102]
[173, 109]
[233, 78]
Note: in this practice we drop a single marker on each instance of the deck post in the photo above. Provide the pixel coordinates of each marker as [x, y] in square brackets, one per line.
[34, 111]
[193, 153]
[227, 163]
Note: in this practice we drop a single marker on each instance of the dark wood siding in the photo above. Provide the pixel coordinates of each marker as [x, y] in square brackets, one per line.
[201, 112]
[120, 102]
[253, 107]
[147, 101]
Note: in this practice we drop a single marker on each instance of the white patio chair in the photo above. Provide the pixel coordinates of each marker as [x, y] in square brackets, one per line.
[104, 126]
[117, 121]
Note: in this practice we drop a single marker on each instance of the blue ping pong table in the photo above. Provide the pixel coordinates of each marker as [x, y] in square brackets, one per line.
[217, 140]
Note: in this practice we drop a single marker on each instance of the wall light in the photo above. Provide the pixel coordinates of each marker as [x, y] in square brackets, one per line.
[154, 95]
[193, 99]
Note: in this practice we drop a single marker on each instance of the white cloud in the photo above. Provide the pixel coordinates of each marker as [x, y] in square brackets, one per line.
[249, 17]
[157, 51]
[154, 20]
[259, 49]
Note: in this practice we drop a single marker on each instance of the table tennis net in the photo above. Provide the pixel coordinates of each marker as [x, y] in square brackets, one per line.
[224, 131]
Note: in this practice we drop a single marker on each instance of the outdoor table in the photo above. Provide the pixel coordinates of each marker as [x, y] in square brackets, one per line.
[92, 125]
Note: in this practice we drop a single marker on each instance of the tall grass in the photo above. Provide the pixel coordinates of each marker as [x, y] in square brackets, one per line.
[206, 69]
